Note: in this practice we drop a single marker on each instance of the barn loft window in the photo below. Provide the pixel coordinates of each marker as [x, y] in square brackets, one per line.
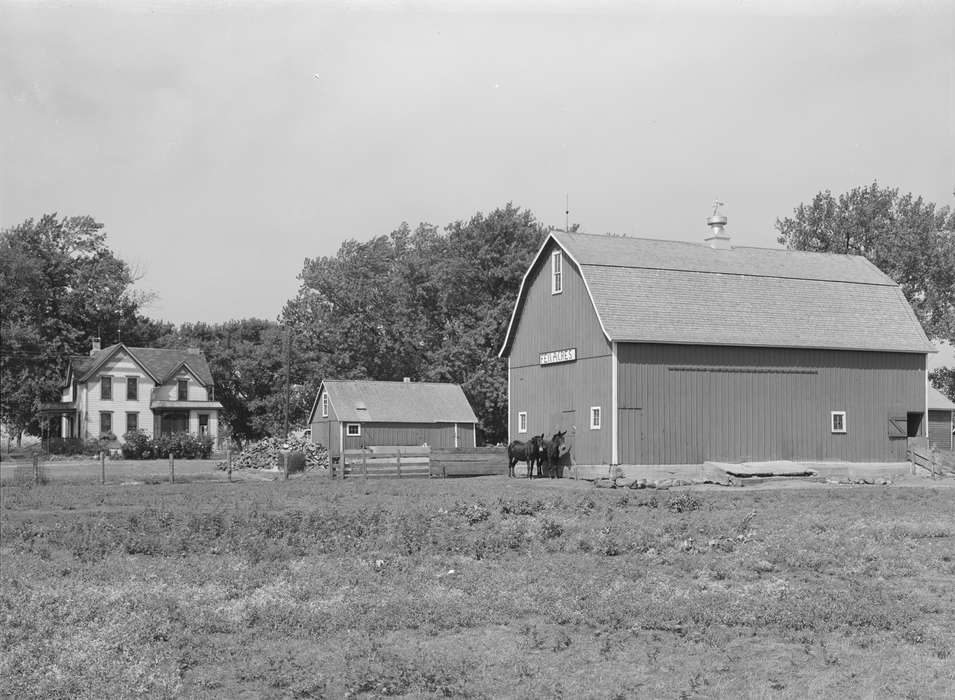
[106, 388]
[324, 404]
[595, 417]
[838, 421]
[556, 272]
[353, 429]
[522, 422]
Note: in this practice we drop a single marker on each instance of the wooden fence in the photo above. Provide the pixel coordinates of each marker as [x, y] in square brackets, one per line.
[921, 455]
[419, 462]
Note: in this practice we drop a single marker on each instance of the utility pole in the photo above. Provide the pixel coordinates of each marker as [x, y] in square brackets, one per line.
[288, 361]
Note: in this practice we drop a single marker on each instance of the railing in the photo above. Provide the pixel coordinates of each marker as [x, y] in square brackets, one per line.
[921, 455]
[376, 462]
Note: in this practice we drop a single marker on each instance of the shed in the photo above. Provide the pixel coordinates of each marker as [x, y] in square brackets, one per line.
[941, 420]
[666, 352]
[350, 414]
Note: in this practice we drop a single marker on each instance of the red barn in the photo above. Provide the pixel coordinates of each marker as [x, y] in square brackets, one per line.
[665, 352]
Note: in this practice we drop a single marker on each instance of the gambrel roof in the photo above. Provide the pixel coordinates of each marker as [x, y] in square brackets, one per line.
[652, 291]
[359, 401]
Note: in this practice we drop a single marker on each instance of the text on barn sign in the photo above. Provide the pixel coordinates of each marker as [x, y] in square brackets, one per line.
[555, 356]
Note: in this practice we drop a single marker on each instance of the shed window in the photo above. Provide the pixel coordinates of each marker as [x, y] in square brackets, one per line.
[556, 272]
[324, 404]
[132, 388]
[183, 389]
[595, 417]
[353, 429]
[838, 421]
[106, 388]
[522, 422]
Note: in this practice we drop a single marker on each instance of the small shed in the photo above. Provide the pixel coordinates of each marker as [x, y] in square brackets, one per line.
[351, 414]
[941, 420]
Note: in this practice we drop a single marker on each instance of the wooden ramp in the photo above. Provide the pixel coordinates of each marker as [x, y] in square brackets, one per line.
[387, 462]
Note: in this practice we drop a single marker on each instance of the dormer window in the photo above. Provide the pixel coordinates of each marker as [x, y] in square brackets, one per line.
[556, 272]
[324, 404]
[183, 389]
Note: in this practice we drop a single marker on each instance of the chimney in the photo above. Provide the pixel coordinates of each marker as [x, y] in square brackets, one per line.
[718, 238]
[97, 346]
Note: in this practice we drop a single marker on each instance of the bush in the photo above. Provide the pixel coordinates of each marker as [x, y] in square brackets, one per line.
[138, 445]
[180, 445]
[72, 446]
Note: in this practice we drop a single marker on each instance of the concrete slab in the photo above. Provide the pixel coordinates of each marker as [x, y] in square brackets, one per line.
[769, 468]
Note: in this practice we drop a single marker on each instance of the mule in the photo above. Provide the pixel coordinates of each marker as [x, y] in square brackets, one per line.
[529, 452]
[553, 450]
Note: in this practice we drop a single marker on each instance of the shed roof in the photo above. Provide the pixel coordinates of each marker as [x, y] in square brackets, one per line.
[362, 401]
[656, 291]
[937, 401]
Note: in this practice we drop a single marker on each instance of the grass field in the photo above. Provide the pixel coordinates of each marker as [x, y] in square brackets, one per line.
[475, 588]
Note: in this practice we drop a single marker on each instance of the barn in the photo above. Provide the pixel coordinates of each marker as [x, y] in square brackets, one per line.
[941, 420]
[351, 414]
[666, 352]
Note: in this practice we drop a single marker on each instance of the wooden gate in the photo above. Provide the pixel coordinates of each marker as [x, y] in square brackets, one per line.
[377, 462]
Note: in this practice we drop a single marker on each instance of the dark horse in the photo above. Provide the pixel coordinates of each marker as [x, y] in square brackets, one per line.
[529, 452]
[553, 450]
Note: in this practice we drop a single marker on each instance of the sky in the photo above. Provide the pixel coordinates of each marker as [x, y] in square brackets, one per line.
[222, 144]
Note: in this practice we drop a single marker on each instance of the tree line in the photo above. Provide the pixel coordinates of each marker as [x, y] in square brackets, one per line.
[425, 303]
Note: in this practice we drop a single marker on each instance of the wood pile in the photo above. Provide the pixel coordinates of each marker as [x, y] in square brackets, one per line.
[267, 454]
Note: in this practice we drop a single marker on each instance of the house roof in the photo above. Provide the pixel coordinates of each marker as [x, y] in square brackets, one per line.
[937, 401]
[397, 402]
[656, 291]
[159, 363]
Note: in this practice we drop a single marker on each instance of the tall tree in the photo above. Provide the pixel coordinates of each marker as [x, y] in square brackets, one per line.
[60, 285]
[909, 239]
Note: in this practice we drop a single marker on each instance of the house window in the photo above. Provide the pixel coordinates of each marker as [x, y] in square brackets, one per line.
[353, 429]
[838, 421]
[105, 423]
[324, 404]
[203, 423]
[595, 417]
[132, 388]
[132, 422]
[522, 422]
[556, 272]
[183, 385]
[106, 388]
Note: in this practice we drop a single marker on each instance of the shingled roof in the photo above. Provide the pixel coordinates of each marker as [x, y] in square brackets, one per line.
[397, 402]
[160, 363]
[655, 291]
[937, 401]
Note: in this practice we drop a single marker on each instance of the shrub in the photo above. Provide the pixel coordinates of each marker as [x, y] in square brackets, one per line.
[72, 446]
[180, 445]
[138, 445]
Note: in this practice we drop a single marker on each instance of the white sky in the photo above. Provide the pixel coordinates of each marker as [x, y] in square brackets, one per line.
[199, 135]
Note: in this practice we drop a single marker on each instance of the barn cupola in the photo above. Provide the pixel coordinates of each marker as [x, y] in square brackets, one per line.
[718, 239]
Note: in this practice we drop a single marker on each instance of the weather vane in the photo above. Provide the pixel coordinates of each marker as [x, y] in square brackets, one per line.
[716, 205]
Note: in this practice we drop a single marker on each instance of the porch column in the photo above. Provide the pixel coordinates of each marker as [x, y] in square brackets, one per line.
[65, 425]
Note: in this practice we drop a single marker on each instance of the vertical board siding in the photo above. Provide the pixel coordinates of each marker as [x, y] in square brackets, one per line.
[698, 403]
[436, 435]
[940, 429]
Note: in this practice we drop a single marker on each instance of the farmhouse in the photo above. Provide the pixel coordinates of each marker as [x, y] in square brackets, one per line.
[350, 414]
[665, 352]
[119, 389]
[941, 420]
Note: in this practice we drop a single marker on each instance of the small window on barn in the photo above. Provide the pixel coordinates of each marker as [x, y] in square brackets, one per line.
[324, 404]
[556, 272]
[595, 417]
[838, 421]
[353, 429]
[106, 388]
[522, 422]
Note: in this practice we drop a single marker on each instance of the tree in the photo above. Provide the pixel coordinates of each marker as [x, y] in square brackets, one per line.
[60, 285]
[943, 379]
[424, 304]
[909, 239]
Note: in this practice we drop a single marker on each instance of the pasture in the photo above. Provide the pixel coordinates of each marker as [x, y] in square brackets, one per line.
[477, 588]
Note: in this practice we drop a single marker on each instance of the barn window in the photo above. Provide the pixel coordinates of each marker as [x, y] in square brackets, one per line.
[595, 417]
[353, 429]
[522, 422]
[324, 404]
[838, 421]
[556, 272]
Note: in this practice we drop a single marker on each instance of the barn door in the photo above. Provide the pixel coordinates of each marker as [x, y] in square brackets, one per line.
[630, 435]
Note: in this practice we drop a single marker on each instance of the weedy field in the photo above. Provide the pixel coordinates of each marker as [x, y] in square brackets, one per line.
[475, 588]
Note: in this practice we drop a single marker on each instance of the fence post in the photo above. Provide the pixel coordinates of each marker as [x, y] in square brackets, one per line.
[172, 469]
[934, 456]
[36, 469]
[228, 455]
[285, 464]
[102, 467]
[364, 462]
[398, 458]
